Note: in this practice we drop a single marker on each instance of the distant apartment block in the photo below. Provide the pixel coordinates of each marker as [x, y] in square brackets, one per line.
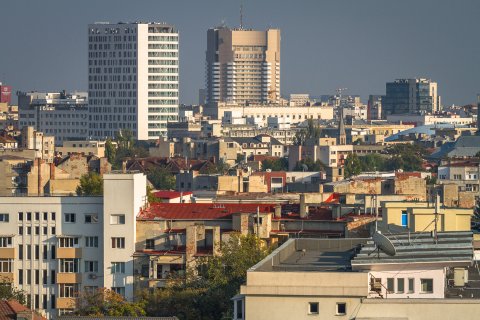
[243, 65]
[60, 114]
[132, 78]
[412, 96]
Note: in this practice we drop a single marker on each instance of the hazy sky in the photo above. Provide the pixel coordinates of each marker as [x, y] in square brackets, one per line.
[357, 44]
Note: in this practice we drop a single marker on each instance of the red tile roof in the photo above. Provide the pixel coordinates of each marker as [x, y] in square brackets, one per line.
[10, 308]
[201, 211]
[166, 194]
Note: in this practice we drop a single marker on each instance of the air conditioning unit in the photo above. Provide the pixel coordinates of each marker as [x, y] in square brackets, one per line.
[92, 276]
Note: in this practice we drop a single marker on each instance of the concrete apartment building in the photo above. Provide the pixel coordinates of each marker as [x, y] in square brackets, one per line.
[43, 145]
[59, 114]
[243, 65]
[53, 247]
[132, 78]
[411, 96]
[340, 279]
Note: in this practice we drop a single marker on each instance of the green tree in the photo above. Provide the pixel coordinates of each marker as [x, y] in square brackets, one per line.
[105, 302]
[352, 165]
[280, 164]
[408, 157]
[309, 165]
[372, 162]
[91, 184]
[311, 131]
[110, 150]
[161, 178]
[9, 292]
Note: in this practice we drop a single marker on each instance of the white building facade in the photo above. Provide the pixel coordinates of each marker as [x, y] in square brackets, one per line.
[133, 78]
[54, 247]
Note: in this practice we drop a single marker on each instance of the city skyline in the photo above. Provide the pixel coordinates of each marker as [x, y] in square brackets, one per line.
[376, 42]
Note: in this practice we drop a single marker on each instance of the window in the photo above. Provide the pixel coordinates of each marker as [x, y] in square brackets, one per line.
[5, 242]
[52, 301]
[45, 252]
[68, 242]
[45, 216]
[118, 267]
[53, 252]
[426, 285]
[150, 244]
[45, 231]
[341, 308]
[44, 301]
[29, 230]
[411, 285]
[117, 219]
[44, 276]
[119, 290]
[53, 230]
[37, 252]
[91, 242]
[404, 218]
[91, 266]
[53, 216]
[5, 265]
[91, 218]
[239, 309]
[29, 276]
[68, 290]
[29, 216]
[4, 217]
[20, 276]
[29, 252]
[313, 308]
[37, 230]
[118, 243]
[37, 216]
[52, 276]
[37, 276]
[69, 265]
[20, 252]
[390, 285]
[20, 216]
[20, 230]
[258, 220]
[400, 285]
[70, 217]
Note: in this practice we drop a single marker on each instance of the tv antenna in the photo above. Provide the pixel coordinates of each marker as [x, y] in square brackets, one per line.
[384, 244]
[241, 14]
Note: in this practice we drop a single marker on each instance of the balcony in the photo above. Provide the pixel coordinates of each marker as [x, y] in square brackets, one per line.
[7, 253]
[66, 303]
[69, 278]
[6, 277]
[69, 253]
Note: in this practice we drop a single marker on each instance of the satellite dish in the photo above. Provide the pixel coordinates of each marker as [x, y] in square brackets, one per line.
[384, 244]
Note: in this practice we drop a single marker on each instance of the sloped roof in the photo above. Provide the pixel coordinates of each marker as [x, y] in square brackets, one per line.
[201, 211]
[10, 308]
[166, 194]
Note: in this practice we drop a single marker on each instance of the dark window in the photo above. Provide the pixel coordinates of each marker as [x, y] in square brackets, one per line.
[29, 230]
[150, 244]
[37, 276]
[53, 230]
[45, 216]
[37, 252]
[53, 252]
[44, 275]
[52, 301]
[312, 308]
[20, 216]
[20, 276]
[45, 252]
[52, 276]
[341, 308]
[29, 276]
[45, 231]
[37, 216]
[20, 230]
[29, 216]
[53, 216]
[37, 301]
[29, 252]
[44, 302]
[20, 252]
[37, 230]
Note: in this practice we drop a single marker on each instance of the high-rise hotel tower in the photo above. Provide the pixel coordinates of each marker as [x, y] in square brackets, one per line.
[132, 78]
[243, 66]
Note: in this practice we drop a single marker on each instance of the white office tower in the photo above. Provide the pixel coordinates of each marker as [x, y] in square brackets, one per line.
[132, 78]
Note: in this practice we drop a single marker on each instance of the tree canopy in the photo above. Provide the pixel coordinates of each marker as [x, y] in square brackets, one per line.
[161, 178]
[309, 165]
[9, 292]
[280, 164]
[105, 302]
[127, 148]
[91, 184]
[352, 165]
[311, 131]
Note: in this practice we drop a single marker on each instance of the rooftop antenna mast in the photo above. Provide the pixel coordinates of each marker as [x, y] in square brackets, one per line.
[241, 14]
